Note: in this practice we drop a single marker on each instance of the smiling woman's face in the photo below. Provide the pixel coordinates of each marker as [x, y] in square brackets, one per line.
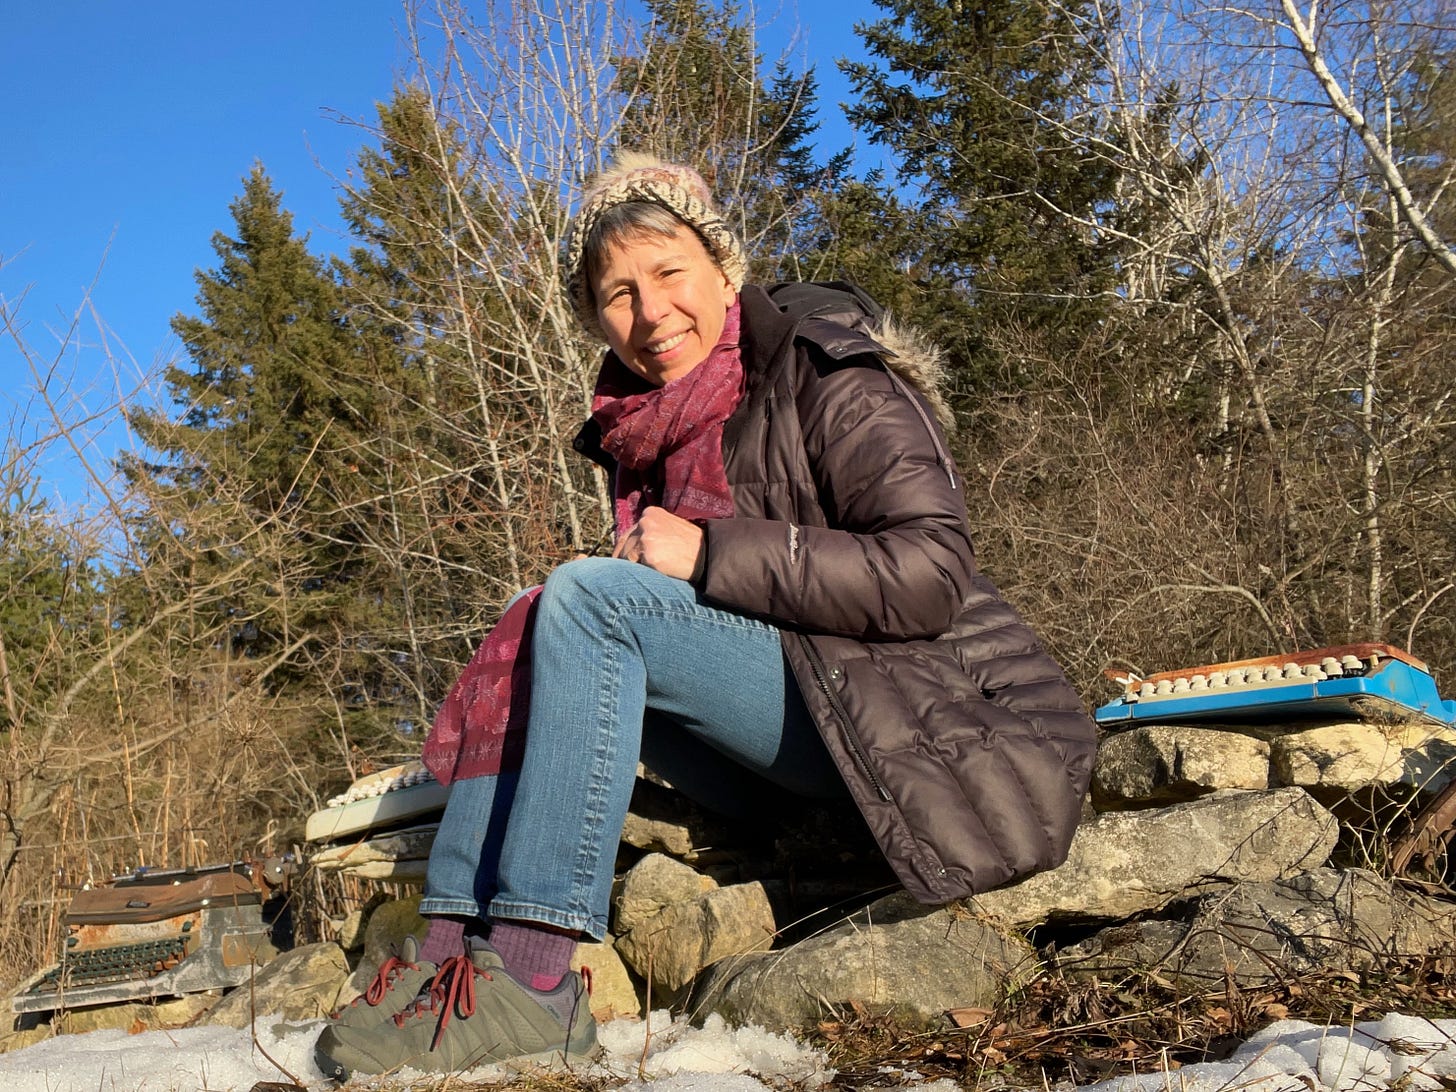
[662, 301]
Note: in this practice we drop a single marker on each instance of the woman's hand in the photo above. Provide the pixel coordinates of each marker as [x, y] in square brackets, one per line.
[663, 541]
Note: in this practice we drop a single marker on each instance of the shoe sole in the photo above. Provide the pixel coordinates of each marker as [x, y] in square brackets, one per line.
[547, 1060]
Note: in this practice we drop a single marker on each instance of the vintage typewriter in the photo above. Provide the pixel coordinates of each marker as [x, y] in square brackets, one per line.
[381, 828]
[163, 933]
[1372, 682]
[378, 801]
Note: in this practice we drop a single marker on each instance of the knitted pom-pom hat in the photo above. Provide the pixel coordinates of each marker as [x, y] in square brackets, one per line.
[636, 177]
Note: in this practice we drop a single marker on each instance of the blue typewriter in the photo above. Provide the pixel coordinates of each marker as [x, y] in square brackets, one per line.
[1373, 682]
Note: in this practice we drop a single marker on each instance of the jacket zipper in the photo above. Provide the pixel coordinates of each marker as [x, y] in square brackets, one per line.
[940, 454]
[856, 750]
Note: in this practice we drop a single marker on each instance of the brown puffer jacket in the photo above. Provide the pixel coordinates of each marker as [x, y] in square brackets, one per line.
[960, 739]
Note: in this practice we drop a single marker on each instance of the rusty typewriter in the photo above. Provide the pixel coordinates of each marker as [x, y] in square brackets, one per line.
[163, 933]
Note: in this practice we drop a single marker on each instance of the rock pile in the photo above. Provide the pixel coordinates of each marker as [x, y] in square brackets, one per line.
[1204, 853]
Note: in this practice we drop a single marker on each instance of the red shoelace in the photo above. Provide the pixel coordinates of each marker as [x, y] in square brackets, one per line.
[451, 990]
[380, 984]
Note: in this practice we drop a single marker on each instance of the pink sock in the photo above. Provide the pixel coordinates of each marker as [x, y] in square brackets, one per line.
[444, 938]
[534, 955]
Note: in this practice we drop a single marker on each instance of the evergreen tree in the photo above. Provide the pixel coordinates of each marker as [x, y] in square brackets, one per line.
[860, 231]
[413, 298]
[982, 104]
[50, 605]
[265, 483]
[55, 629]
[697, 95]
[406, 212]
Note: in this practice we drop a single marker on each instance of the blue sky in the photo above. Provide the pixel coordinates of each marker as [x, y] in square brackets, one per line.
[126, 130]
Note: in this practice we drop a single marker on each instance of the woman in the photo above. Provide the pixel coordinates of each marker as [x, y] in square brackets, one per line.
[792, 594]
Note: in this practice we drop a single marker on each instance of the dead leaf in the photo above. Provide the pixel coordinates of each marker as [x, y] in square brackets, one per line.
[969, 1017]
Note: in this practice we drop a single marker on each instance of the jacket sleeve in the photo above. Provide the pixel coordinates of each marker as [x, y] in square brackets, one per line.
[885, 553]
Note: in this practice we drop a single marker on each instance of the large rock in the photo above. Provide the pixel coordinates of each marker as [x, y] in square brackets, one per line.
[349, 930]
[1335, 760]
[1320, 920]
[132, 1016]
[303, 984]
[653, 884]
[384, 936]
[662, 820]
[659, 836]
[101, 1017]
[895, 957]
[180, 1012]
[1162, 764]
[1127, 863]
[671, 948]
[613, 993]
[19, 1040]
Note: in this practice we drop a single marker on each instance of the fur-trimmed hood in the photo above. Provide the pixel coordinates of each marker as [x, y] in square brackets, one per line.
[919, 361]
[841, 319]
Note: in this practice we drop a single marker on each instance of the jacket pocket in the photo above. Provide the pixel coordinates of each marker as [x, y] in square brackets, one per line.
[846, 725]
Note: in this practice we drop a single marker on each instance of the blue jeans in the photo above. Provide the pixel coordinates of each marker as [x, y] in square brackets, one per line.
[626, 662]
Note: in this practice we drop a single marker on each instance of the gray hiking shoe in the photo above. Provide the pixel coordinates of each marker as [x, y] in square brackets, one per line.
[398, 981]
[472, 1013]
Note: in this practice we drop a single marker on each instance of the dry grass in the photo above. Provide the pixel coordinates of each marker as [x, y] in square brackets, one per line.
[1060, 1032]
[1057, 1032]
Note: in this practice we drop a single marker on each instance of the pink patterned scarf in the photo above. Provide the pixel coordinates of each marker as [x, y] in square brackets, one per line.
[668, 443]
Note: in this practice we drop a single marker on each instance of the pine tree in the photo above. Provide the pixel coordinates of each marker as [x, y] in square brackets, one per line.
[50, 605]
[414, 299]
[406, 213]
[858, 230]
[982, 104]
[264, 483]
[697, 95]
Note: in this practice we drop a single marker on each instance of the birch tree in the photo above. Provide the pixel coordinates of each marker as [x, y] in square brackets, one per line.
[1251, 452]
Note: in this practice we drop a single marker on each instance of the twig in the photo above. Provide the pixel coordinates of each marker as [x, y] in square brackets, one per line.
[646, 1023]
[253, 1027]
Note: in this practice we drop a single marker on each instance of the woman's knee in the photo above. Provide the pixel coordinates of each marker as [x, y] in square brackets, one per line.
[584, 572]
[587, 583]
[598, 582]
[587, 596]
